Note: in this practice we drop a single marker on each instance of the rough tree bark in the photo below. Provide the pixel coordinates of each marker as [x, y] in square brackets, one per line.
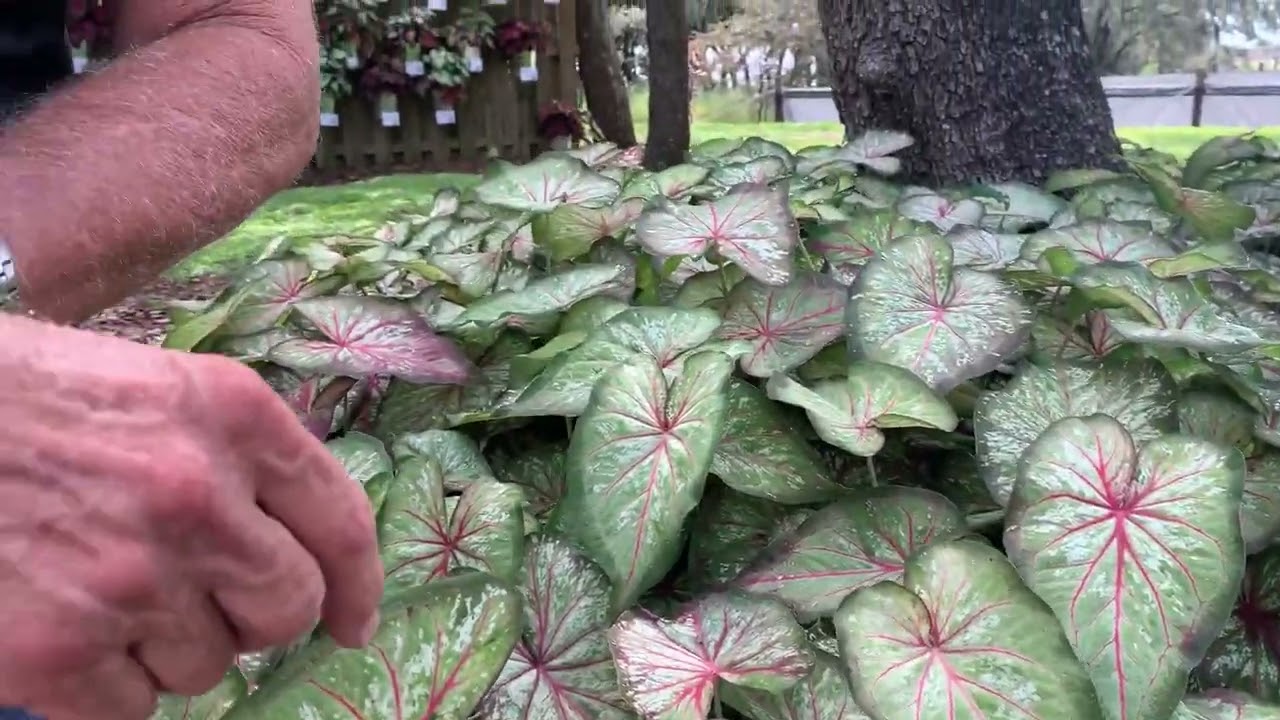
[600, 70]
[990, 89]
[667, 26]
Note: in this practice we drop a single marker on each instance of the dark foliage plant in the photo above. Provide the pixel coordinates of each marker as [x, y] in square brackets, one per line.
[768, 435]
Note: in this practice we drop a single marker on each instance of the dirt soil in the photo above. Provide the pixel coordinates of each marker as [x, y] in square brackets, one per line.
[142, 318]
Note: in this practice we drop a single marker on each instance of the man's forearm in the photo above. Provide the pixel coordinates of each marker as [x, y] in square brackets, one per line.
[115, 177]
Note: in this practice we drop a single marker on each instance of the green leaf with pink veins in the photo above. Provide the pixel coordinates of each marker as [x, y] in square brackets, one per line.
[750, 226]
[911, 306]
[669, 669]
[439, 648]
[1137, 551]
[850, 412]
[1225, 705]
[212, 705]
[637, 465]
[960, 636]
[561, 669]
[823, 695]
[786, 325]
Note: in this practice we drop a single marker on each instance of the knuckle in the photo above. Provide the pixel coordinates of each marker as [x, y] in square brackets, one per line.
[295, 612]
[128, 578]
[182, 486]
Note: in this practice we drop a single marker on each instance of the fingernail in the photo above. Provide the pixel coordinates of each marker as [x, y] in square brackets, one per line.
[370, 629]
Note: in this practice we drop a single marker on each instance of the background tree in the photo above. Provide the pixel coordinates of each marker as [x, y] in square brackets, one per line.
[600, 70]
[991, 89]
[667, 27]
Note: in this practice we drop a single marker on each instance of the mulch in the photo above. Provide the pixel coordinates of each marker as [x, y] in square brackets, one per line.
[142, 318]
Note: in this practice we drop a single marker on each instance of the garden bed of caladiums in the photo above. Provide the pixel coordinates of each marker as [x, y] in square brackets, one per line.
[772, 436]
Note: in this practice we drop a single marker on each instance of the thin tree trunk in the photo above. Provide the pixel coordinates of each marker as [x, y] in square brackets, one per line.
[991, 90]
[600, 69]
[667, 25]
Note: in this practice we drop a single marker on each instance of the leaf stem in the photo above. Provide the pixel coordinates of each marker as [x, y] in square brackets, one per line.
[871, 468]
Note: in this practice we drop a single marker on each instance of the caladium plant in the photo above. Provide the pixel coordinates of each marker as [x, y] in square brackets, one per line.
[768, 436]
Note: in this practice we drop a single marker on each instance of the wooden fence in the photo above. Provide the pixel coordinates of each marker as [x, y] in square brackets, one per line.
[498, 117]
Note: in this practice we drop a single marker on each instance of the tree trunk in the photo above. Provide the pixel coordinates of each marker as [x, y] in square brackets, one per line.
[667, 25]
[600, 70]
[991, 90]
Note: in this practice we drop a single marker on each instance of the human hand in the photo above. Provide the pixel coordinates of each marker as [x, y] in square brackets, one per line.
[159, 513]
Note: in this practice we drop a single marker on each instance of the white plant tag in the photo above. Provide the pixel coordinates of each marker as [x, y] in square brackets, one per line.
[475, 61]
[329, 119]
[437, 5]
[446, 116]
[528, 73]
[415, 68]
[390, 118]
[79, 63]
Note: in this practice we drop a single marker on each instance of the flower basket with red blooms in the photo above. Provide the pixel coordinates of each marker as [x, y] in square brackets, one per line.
[89, 28]
[514, 38]
[557, 121]
[448, 75]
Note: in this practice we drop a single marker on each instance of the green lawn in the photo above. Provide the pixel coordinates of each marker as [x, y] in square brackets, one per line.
[361, 207]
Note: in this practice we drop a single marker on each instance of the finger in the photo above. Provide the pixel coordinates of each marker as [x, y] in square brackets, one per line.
[192, 654]
[117, 689]
[296, 480]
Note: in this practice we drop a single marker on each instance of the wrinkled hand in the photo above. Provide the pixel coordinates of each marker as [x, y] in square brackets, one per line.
[159, 513]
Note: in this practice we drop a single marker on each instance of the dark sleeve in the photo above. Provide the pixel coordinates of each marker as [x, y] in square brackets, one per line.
[34, 55]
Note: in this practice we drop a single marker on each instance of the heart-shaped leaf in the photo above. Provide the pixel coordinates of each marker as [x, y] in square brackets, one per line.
[363, 456]
[457, 455]
[911, 308]
[1140, 395]
[729, 529]
[439, 648]
[426, 536]
[850, 544]
[272, 288]
[1170, 313]
[1138, 553]
[823, 695]
[673, 183]
[1246, 656]
[363, 336]
[848, 245]
[669, 668]
[1214, 216]
[658, 333]
[550, 294]
[873, 149]
[212, 705]
[982, 249]
[637, 464]
[786, 325]
[545, 184]
[539, 469]
[1090, 340]
[562, 670]
[942, 212]
[960, 637]
[1095, 241]
[570, 231]
[1227, 705]
[751, 226]
[849, 412]
[762, 454]
[1017, 205]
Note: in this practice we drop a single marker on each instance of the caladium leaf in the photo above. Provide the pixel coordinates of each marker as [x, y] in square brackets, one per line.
[674, 182]
[850, 544]
[562, 669]
[1138, 552]
[570, 231]
[1140, 395]
[823, 695]
[982, 249]
[1246, 656]
[440, 646]
[363, 456]
[551, 294]
[1017, 205]
[545, 184]
[1171, 312]
[426, 536]
[873, 149]
[458, 456]
[786, 325]
[1090, 340]
[212, 705]
[848, 245]
[669, 668]
[753, 148]
[271, 289]
[364, 336]
[1228, 705]
[637, 464]
[1215, 217]
[849, 412]
[760, 171]
[940, 211]
[659, 333]
[751, 226]
[1095, 241]
[912, 308]
[960, 636]
[729, 529]
[762, 454]
[408, 408]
